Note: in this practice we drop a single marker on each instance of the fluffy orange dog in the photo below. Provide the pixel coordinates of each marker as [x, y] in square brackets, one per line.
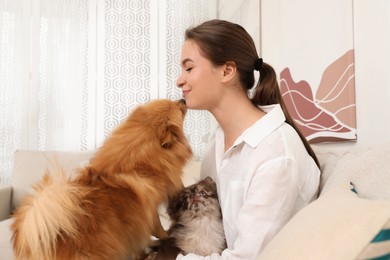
[109, 210]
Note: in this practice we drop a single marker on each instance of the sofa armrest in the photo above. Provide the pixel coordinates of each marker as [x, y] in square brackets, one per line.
[5, 201]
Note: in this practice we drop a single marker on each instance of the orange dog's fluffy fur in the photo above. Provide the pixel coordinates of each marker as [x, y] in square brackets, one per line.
[109, 209]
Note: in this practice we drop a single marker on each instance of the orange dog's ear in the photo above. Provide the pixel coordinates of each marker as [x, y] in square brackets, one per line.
[170, 135]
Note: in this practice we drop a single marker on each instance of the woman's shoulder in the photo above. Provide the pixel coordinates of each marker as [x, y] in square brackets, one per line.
[284, 141]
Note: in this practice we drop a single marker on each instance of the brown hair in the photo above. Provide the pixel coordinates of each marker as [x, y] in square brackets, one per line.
[222, 41]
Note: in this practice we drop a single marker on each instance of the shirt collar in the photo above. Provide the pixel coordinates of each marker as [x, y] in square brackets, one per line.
[273, 119]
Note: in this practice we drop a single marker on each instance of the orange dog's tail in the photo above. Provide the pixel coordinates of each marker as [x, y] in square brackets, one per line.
[42, 219]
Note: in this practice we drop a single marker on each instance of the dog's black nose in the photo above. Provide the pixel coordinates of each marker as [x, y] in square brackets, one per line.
[183, 101]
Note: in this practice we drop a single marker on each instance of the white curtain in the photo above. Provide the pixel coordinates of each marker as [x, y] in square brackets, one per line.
[71, 70]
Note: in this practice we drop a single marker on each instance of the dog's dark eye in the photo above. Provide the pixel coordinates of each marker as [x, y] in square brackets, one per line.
[202, 193]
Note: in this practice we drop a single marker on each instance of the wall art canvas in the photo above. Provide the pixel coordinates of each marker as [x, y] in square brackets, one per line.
[310, 45]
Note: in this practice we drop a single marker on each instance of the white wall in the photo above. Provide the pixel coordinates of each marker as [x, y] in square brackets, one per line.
[372, 69]
[243, 12]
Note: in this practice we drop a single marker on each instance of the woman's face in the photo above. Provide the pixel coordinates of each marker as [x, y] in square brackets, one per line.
[199, 79]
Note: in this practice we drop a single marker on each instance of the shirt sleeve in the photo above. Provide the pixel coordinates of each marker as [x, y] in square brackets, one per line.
[268, 204]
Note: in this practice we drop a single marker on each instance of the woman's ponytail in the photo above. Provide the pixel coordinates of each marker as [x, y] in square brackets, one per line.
[267, 92]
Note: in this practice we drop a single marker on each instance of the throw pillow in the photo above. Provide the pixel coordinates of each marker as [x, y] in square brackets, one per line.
[379, 247]
[338, 225]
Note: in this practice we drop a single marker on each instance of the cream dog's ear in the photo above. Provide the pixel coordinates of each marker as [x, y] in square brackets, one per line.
[170, 135]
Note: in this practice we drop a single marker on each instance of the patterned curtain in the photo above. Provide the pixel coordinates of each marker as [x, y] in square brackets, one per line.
[71, 70]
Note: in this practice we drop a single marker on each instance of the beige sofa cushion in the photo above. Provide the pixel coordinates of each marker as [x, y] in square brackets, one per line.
[367, 168]
[338, 225]
[29, 167]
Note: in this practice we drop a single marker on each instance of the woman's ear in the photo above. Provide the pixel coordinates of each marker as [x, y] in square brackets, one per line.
[229, 71]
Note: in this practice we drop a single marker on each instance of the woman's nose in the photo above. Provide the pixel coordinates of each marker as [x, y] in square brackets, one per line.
[180, 81]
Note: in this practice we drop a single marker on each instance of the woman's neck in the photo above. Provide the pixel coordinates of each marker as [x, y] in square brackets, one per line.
[235, 114]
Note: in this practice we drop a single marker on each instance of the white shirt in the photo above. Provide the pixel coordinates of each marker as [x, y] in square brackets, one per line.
[262, 180]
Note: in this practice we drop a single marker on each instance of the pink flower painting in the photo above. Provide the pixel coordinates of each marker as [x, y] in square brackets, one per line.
[329, 114]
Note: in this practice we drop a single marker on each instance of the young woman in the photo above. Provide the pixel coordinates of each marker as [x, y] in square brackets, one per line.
[263, 166]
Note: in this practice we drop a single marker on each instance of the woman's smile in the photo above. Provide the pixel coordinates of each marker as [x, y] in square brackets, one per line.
[185, 92]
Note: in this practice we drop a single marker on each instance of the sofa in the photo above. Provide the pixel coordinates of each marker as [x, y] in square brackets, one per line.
[349, 220]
